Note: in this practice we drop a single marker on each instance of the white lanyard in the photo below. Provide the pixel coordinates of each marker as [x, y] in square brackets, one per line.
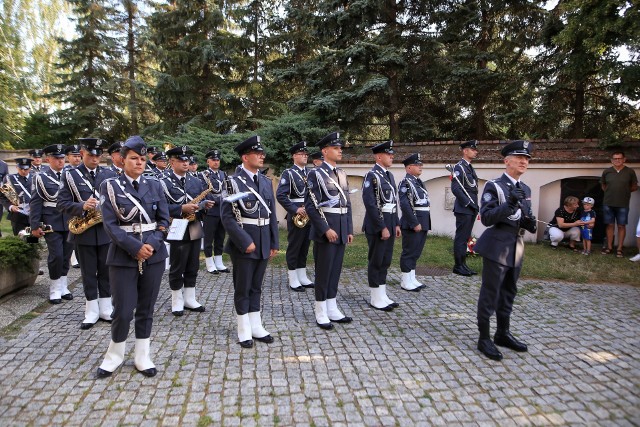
[333, 181]
[255, 193]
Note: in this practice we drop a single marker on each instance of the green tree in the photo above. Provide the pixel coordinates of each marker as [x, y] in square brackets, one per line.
[89, 87]
[587, 89]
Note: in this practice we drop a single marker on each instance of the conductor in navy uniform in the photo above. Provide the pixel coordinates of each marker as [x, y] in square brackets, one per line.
[253, 238]
[21, 183]
[329, 208]
[79, 197]
[506, 210]
[415, 221]
[44, 199]
[464, 186]
[381, 223]
[136, 216]
[290, 194]
[213, 230]
[180, 189]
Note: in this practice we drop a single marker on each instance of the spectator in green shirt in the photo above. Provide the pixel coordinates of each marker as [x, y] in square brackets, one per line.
[618, 182]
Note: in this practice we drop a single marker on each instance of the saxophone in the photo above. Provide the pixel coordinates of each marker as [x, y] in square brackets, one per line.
[196, 200]
[10, 193]
[234, 205]
[80, 224]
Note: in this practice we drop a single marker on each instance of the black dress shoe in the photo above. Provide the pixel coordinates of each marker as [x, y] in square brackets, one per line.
[214, 272]
[246, 344]
[151, 372]
[387, 308]
[507, 340]
[197, 309]
[40, 272]
[178, 313]
[298, 289]
[413, 290]
[310, 285]
[67, 297]
[487, 348]
[345, 319]
[85, 326]
[101, 373]
[105, 320]
[394, 305]
[266, 339]
[472, 272]
[325, 326]
[460, 270]
[55, 301]
[76, 266]
[226, 270]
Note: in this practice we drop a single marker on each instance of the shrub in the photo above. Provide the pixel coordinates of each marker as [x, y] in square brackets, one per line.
[16, 253]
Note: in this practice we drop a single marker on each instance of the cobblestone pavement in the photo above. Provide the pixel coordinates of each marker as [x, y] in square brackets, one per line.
[415, 366]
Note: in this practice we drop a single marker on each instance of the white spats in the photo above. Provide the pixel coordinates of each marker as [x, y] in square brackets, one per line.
[333, 312]
[91, 312]
[407, 282]
[190, 298]
[257, 330]
[106, 308]
[64, 283]
[177, 301]
[378, 298]
[218, 261]
[211, 267]
[385, 297]
[114, 356]
[322, 316]
[244, 327]
[294, 281]
[413, 277]
[55, 289]
[302, 276]
[142, 358]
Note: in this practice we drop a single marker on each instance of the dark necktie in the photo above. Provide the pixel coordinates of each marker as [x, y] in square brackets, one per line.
[182, 181]
[518, 184]
[135, 185]
[58, 175]
[388, 175]
[335, 171]
[255, 181]
[93, 176]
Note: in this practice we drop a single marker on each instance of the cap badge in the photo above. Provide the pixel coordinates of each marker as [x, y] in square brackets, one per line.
[525, 144]
[143, 151]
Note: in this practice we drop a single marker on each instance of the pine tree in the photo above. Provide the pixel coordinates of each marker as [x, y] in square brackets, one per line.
[89, 87]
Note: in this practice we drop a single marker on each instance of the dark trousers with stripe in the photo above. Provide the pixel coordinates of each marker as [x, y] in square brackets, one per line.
[213, 236]
[412, 246]
[297, 245]
[329, 257]
[184, 258]
[464, 227]
[59, 253]
[132, 291]
[94, 270]
[498, 290]
[380, 254]
[248, 275]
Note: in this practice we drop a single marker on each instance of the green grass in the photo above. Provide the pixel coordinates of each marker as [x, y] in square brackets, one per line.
[5, 225]
[541, 262]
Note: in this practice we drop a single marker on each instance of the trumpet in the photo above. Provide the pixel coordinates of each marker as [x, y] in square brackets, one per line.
[300, 220]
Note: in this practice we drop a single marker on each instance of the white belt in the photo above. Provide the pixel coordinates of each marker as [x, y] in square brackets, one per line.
[340, 211]
[422, 208]
[49, 204]
[300, 200]
[389, 208]
[138, 228]
[260, 222]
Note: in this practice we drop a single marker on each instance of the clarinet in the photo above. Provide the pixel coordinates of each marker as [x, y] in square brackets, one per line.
[234, 205]
[376, 191]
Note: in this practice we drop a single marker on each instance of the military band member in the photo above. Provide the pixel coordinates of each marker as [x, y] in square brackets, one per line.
[506, 210]
[464, 186]
[290, 194]
[415, 221]
[117, 162]
[316, 158]
[36, 160]
[135, 215]
[161, 161]
[180, 189]
[44, 199]
[74, 157]
[150, 168]
[328, 205]
[79, 198]
[21, 183]
[213, 229]
[193, 166]
[253, 239]
[381, 224]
